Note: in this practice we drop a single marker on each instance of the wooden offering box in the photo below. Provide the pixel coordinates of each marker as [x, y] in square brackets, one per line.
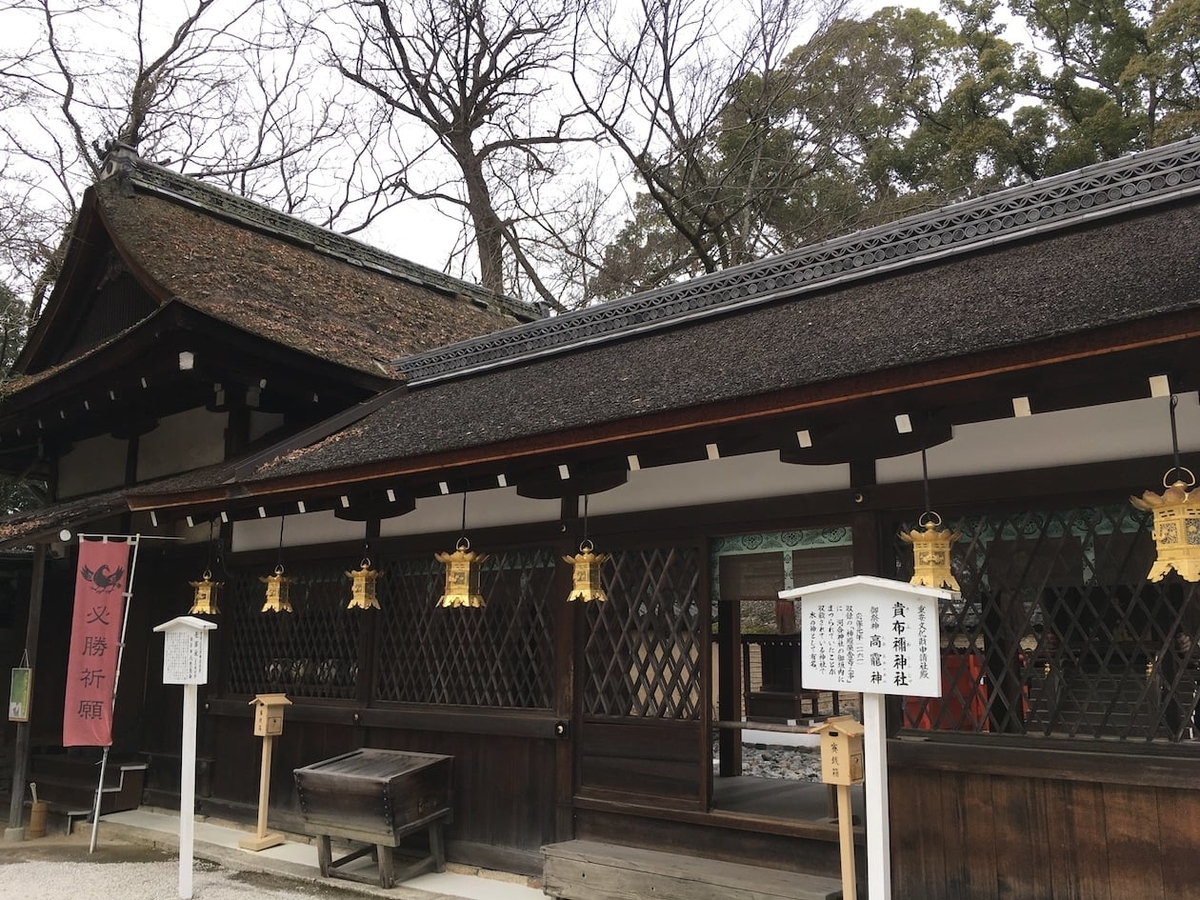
[377, 797]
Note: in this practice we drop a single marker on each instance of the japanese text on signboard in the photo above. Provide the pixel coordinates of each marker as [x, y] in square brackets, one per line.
[880, 645]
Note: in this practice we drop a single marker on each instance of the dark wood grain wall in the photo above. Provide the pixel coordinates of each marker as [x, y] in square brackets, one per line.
[657, 762]
[504, 800]
[1074, 826]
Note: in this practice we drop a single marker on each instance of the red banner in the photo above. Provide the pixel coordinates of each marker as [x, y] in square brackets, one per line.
[95, 635]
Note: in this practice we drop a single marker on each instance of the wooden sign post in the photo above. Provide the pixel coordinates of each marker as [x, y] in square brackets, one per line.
[878, 637]
[842, 765]
[185, 661]
[268, 724]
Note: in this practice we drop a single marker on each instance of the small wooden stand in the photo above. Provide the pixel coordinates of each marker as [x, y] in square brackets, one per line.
[268, 722]
[385, 857]
[261, 839]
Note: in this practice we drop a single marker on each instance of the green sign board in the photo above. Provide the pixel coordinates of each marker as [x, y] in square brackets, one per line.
[19, 693]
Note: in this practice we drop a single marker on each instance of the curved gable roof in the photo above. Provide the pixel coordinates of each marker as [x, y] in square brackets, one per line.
[261, 271]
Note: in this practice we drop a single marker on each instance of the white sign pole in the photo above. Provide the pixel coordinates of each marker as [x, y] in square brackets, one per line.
[877, 637]
[879, 850]
[185, 661]
[187, 793]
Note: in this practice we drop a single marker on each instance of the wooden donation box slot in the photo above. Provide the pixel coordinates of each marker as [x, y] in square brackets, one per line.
[377, 797]
[841, 750]
[268, 714]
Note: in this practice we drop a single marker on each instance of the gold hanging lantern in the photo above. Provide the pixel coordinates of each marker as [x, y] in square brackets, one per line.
[462, 576]
[204, 596]
[1176, 526]
[278, 586]
[362, 587]
[931, 552]
[585, 579]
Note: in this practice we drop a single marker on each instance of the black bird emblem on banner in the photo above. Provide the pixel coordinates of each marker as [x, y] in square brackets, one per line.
[104, 580]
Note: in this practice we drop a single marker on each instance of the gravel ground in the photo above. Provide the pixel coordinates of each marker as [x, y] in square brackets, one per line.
[773, 761]
[790, 762]
[60, 868]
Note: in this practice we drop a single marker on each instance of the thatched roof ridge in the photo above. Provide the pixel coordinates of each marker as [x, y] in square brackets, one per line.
[1074, 199]
[1063, 284]
[269, 277]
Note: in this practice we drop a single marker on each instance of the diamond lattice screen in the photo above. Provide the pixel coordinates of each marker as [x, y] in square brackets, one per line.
[1059, 633]
[642, 656]
[499, 656]
[311, 652]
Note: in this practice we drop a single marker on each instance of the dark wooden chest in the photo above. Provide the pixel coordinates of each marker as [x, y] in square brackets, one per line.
[376, 796]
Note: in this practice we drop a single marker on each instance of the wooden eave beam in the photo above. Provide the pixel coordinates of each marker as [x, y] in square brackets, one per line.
[1147, 338]
[151, 349]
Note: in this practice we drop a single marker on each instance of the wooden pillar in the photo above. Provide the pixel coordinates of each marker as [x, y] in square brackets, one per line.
[32, 632]
[729, 685]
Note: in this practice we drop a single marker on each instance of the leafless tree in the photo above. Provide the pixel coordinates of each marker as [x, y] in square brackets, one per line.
[222, 92]
[692, 94]
[482, 82]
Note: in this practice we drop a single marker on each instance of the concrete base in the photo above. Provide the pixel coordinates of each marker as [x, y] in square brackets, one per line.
[256, 843]
[14, 834]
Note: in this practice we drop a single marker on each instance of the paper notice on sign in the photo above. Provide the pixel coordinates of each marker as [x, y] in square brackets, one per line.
[871, 636]
[95, 635]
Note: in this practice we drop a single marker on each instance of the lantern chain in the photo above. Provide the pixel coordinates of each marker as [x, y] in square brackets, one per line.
[1174, 432]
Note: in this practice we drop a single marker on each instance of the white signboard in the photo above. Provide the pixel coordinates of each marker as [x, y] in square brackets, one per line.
[875, 636]
[185, 657]
[860, 635]
[185, 650]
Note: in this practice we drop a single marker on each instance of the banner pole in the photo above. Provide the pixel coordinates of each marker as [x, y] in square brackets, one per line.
[135, 540]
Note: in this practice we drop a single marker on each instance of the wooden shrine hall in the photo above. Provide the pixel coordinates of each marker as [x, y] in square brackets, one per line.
[284, 400]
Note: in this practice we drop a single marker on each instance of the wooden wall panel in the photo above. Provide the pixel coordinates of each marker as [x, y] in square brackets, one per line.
[642, 757]
[1075, 818]
[1021, 834]
[979, 837]
[1179, 840]
[1131, 830]
[955, 848]
[1012, 837]
[503, 786]
[920, 843]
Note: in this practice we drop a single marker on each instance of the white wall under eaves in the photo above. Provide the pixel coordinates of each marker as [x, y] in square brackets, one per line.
[485, 509]
[747, 477]
[1113, 431]
[300, 530]
[1130, 430]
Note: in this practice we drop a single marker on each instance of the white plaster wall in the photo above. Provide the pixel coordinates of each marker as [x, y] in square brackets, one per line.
[752, 476]
[300, 530]
[485, 509]
[1129, 430]
[94, 464]
[184, 441]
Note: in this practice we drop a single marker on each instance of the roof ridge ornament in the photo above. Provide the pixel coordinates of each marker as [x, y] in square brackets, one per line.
[117, 159]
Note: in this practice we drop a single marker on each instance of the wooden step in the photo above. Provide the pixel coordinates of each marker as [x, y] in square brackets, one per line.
[590, 870]
[68, 783]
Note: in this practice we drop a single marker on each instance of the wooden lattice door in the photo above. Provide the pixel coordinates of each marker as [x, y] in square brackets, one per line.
[642, 680]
